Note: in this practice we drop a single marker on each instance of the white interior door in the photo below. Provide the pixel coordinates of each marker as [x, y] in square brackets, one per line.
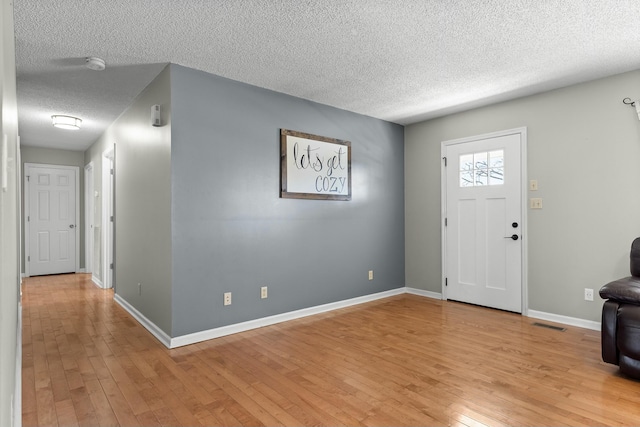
[51, 219]
[108, 217]
[484, 221]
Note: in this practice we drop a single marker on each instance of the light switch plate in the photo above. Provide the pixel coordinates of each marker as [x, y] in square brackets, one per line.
[535, 203]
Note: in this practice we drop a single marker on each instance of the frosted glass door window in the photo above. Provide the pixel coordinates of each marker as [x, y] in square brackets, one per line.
[483, 168]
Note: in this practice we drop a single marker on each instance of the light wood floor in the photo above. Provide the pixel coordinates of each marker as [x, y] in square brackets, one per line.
[405, 360]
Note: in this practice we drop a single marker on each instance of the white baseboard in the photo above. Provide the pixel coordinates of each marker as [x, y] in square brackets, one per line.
[557, 318]
[197, 337]
[278, 318]
[96, 281]
[200, 336]
[16, 410]
[423, 293]
[148, 324]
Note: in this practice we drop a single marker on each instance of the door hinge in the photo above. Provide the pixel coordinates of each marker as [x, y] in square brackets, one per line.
[29, 258]
[111, 266]
[445, 161]
[111, 218]
[111, 171]
[445, 222]
[28, 178]
[28, 218]
[446, 281]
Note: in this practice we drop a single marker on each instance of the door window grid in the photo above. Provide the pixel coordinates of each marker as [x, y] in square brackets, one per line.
[482, 168]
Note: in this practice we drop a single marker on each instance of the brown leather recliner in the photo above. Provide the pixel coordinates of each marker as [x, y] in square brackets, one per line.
[620, 327]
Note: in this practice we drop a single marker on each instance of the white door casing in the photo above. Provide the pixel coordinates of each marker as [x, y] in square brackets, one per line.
[89, 217]
[51, 219]
[484, 251]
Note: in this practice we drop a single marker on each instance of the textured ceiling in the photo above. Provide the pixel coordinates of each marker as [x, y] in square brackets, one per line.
[398, 60]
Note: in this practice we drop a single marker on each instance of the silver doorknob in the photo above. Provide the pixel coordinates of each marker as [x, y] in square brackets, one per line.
[72, 226]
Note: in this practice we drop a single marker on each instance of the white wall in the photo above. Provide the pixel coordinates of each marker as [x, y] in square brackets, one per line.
[584, 150]
[9, 228]
[143, 202]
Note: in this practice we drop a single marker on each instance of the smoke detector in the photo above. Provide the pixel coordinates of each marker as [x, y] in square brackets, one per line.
[95, 64]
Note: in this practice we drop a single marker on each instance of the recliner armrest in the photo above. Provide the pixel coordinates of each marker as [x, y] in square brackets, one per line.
[625, 290]
[635, 257]
[608, 330]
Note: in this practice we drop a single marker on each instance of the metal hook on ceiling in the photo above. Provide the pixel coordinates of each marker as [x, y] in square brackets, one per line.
[636, 104]
[628, 101]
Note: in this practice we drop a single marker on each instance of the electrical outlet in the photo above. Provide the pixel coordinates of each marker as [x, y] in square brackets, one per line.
[227, 298]
[588, 294]
[533, 185]
[263, 292]
[370, 274]
[139, 288]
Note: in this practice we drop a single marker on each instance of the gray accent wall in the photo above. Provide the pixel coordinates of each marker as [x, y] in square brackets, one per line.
[232, 233]
[583, 148]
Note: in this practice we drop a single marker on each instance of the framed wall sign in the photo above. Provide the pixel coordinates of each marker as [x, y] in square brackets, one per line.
[314, 167]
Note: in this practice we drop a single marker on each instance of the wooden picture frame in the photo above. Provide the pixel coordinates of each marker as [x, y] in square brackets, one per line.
[314, 167]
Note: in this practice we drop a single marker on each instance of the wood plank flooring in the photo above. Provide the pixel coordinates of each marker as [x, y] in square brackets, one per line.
[404, 360]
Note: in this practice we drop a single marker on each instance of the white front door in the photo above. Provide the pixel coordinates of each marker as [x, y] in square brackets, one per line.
[484, 220]
[51, 219]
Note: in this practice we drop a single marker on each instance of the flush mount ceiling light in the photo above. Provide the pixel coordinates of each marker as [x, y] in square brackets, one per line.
[66, 122]
[95, 64]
